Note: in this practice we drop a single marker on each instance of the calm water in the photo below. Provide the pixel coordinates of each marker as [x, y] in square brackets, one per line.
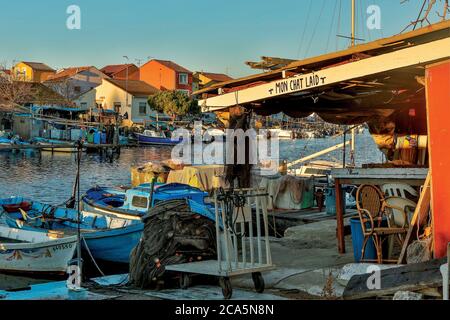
[49, 177]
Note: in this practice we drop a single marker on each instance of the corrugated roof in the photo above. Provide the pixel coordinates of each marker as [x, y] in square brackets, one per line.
[39, 66]
[134, 87]
[112, 69]
[172, 65]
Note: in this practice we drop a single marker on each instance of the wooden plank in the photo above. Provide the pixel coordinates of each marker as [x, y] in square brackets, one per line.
[416, 55]
[413, 277]
[419, 217]
[340, 217]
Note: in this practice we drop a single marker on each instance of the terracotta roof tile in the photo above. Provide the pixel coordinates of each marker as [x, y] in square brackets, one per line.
[67, 73]
[135, 87]
[172, 65]
[219, 77]
[38, 66]
[111, 70]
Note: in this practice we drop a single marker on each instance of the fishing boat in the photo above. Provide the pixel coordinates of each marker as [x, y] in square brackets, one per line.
[24, 251]
[55, 145]
[134, 203]
[152, 137]
[106, 238]
[8, 142]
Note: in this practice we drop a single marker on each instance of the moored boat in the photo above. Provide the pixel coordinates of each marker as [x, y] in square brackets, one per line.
[25, 251]
[107, 238]
[152, 137]
[134, 203]
[55, 145]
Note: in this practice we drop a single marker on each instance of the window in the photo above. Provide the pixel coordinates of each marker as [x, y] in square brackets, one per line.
[139, 202]
[183, 78]
[84, 106]
[142, 108]
[117, 107]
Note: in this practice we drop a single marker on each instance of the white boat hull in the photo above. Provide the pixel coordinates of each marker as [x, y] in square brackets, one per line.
[41, 254]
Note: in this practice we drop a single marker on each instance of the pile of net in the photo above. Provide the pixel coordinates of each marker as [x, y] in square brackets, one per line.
[172, 234]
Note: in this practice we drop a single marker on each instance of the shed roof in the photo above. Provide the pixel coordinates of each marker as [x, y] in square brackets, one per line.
[39, 66]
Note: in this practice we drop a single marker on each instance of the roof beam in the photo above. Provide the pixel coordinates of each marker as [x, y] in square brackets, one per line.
[408, 57]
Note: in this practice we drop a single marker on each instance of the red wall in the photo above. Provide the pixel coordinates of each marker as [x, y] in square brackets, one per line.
[438, 108]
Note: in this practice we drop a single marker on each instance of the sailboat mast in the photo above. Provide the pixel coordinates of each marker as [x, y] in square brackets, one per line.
[353, 146]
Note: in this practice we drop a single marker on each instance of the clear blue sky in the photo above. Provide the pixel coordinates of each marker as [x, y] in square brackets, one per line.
[209, 35]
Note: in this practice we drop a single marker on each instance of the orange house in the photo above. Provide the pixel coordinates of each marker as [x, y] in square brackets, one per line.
[167, 75]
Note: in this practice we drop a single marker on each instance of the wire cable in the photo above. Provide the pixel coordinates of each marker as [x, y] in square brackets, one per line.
[304, 28]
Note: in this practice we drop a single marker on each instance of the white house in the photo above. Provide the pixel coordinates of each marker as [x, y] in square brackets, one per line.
[75, 81]
[128, 98]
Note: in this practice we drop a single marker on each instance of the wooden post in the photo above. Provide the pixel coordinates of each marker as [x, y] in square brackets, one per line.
[339, 217]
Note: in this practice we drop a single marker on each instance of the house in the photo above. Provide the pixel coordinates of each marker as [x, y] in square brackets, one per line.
[207, 79]
[75, 81]
[167, 75]
[120, 71]
[126, 98]
[32, 71]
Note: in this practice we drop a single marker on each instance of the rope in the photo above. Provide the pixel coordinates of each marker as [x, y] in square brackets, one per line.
[331, 26]
[92, 258]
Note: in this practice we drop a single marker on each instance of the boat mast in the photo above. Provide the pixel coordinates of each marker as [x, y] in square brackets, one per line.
[353, 35]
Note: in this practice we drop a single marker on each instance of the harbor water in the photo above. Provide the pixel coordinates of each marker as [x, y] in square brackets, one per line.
[49, 178]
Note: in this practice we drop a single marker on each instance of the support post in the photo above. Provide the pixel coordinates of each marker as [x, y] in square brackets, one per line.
[340, 217]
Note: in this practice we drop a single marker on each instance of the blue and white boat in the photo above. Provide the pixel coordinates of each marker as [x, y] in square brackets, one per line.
[152, 137]
[108, 238]
[134, 203]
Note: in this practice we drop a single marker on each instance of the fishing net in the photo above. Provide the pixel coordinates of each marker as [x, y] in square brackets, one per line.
[172, 234]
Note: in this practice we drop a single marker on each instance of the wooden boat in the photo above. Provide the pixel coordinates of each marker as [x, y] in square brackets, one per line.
[134, 203]
[107, 238]
[152, 137]
[52, 145]
[26, 251]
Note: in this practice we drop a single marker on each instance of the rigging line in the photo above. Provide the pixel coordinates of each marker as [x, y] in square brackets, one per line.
[369, 35]
[315, 28]
[304, 28]
[381, 29]
[331, 26]
[361, 22]
[339, 25]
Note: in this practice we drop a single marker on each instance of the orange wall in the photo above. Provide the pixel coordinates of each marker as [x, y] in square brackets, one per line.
[158, 75]
[438, 108]
[162, 77]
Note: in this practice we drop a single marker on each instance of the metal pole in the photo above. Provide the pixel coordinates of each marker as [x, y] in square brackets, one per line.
[352, 152]
[79, 263]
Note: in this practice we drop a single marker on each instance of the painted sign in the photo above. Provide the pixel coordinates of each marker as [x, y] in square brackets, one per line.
[297, 83]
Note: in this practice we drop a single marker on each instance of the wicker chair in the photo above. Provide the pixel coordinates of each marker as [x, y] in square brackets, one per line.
[373, 210]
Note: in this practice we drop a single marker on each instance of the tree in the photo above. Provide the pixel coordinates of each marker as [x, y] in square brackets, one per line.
[13, 93]
[174, 103]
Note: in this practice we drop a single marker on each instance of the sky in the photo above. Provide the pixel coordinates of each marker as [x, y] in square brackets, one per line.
[201, 35]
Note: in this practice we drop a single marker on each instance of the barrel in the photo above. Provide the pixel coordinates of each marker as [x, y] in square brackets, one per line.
[330, 200]
[358, 240]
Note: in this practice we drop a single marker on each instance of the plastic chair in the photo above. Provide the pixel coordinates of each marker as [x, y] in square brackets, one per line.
[371, 206]
[399, 190]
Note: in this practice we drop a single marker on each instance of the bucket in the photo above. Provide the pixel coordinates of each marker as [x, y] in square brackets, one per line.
[330, 200]
[358, 240]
